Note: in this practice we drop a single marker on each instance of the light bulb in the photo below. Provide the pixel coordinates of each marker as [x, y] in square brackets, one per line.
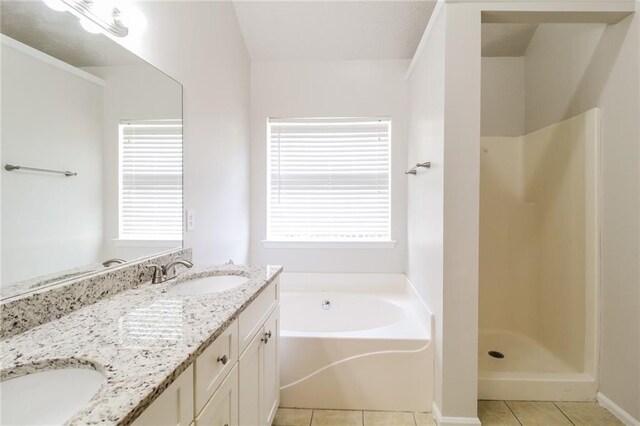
[89, 26]
[56, 5]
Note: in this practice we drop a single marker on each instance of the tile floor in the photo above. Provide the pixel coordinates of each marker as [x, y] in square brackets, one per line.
[507, 413]
[302, 417]
[491, 413]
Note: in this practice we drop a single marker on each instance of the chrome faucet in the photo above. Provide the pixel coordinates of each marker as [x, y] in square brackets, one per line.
[169, 270]
[114, 261]
[157, 277]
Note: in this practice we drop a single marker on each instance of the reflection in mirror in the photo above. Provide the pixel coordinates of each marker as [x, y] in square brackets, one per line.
[91, 151]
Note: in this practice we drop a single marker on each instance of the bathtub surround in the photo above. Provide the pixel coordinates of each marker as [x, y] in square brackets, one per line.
[31, 309]
[137, 367]
[354, 341]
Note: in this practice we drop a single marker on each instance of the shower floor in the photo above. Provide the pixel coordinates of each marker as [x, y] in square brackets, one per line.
[521, 354]
[528, 371]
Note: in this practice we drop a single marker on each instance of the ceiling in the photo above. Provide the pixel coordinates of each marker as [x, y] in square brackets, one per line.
[506, 39]
[60, 35]
[333, 30]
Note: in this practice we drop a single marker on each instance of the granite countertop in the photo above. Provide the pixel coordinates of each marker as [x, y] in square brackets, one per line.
[140, 339]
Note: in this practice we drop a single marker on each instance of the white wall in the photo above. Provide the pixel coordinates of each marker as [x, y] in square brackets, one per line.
[502, 96]
[574, 68]
[51, 119]
[329, 89]
[199, 44]
[132, 92]
[461, 210]
[425, 202]
[444, 202]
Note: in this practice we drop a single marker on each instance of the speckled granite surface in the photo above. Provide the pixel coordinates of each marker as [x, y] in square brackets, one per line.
[141, 339]
[28, 310]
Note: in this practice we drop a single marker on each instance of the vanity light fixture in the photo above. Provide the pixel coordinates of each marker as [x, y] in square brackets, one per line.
[94, 15]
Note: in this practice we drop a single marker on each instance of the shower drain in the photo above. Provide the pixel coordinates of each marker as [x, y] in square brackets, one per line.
[496, 354]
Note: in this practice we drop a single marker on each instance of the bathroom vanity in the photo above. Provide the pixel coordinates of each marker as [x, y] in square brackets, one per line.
[234, 381]
[167, 358]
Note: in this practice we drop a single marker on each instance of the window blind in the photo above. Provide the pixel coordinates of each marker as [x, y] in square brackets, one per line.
[150, 206]
[329, 180]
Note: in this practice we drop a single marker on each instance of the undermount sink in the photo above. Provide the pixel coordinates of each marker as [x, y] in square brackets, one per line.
[207, 285]
[48, 397]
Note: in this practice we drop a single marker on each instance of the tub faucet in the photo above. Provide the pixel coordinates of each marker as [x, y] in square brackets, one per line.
[169, 270]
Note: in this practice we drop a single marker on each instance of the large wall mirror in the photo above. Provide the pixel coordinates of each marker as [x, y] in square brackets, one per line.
[91, 151]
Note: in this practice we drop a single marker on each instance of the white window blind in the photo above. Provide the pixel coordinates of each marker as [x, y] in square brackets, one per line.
[329, 180]
[150, 206]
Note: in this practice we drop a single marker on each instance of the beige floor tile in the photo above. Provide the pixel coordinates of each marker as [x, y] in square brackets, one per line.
[336, 418]
[424, 419]
[588, 414]
[292, 417]
[496, 413]
[388, 418]
[538, 413]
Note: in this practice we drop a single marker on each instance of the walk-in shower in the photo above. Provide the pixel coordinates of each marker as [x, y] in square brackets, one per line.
[538, 263]
[539, 211]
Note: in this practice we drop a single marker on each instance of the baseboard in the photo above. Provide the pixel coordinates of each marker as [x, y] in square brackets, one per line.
[617, 411]
[452, 421]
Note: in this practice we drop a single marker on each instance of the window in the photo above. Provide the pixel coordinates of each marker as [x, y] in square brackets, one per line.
[329, 180]
[150, 195]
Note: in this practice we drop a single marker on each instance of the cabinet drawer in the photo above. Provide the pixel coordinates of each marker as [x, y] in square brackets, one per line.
[252, 318]
[222, 409]
[212, 366]
[174, 407]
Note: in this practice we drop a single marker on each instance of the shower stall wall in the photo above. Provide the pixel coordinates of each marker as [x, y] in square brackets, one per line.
[539, 263]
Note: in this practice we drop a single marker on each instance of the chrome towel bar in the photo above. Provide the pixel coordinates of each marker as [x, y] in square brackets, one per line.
[11, 167]
[414, 171]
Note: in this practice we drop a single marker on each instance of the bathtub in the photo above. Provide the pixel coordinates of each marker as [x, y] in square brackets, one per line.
[354, 341]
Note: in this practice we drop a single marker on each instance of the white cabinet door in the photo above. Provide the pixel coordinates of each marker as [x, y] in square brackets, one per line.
[250, 366]
[270, 370]
[222, 408]
[174, 407]
[252, 318]
[259, 376]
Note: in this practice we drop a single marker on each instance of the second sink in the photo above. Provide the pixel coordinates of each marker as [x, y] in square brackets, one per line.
[207, 285]
[48, 397]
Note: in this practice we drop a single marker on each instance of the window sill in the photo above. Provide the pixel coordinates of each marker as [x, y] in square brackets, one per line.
[147, 243]
[329, 244]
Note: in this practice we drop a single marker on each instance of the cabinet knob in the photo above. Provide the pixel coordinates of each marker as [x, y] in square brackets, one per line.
[266, 337]
[223, 359]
